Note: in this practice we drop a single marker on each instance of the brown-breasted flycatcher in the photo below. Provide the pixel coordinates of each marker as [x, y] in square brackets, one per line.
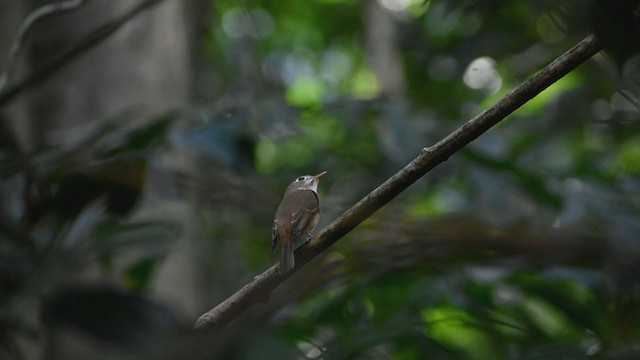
[297, 216]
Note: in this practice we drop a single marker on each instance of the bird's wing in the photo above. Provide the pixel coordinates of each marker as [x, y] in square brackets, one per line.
[304, 215]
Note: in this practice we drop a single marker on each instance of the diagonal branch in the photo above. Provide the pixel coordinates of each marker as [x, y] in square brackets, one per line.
[29, 23]
[263, 284]
[86, 43]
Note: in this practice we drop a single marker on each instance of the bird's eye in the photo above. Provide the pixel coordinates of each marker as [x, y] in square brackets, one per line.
[300, 178]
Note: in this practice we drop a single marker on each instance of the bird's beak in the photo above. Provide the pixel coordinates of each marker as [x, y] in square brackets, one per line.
[317, 177]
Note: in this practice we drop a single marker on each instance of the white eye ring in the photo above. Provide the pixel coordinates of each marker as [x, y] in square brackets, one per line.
[300, 178]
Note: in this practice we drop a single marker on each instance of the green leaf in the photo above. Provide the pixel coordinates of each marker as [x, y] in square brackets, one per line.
[138, 276]
[135, 140]
[454, 328]
[150, 238]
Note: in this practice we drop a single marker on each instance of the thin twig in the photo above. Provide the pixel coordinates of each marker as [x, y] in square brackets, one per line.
[263, 284]
[29, 23]
[86, 43]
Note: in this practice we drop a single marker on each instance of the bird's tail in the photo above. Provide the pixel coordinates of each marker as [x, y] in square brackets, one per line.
[287, 261]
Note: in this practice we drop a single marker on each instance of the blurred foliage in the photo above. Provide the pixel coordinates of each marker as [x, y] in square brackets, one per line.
[523, 245]
[65, 211]
[561, 167]
[617, 25]
[410, 314]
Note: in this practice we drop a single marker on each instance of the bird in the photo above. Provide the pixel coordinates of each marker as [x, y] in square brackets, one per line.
[296, 217]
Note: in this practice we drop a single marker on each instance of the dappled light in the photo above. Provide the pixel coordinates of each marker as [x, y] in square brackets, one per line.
[481, 74]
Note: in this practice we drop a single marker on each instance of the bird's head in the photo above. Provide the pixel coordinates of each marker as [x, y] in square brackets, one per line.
[306, 182]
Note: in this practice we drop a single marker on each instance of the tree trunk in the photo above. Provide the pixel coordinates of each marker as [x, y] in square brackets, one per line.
[143, 66]
[142, 69]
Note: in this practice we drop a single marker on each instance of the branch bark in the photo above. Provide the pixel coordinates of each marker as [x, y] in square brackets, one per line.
[263, 284]
[86, 43]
